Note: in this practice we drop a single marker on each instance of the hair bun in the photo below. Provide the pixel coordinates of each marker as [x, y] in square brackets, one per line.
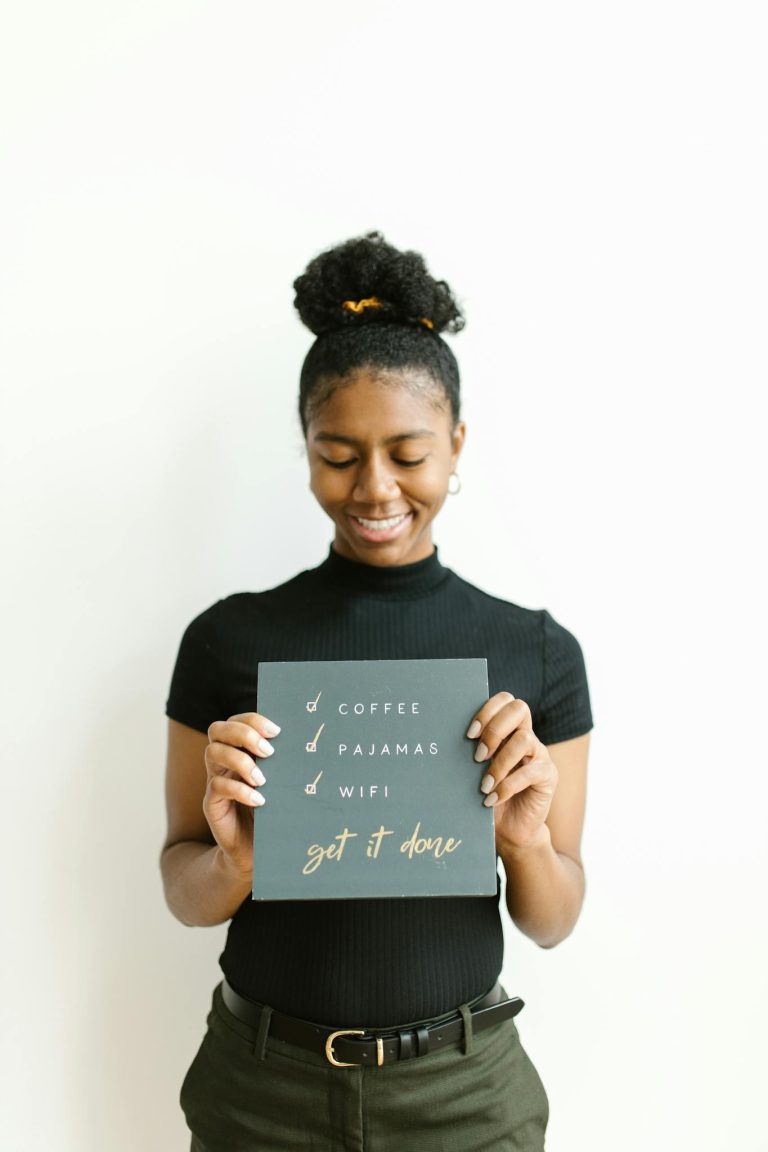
[365, 269]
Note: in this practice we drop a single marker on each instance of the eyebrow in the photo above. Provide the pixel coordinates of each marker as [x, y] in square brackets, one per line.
[417, 434]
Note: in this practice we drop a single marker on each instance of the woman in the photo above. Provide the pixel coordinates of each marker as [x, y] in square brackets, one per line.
[379, 409]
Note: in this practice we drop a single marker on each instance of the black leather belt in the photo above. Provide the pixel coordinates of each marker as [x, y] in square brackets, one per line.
[346, 1047]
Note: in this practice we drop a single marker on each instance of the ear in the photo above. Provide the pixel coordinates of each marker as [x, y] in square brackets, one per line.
[457, 442]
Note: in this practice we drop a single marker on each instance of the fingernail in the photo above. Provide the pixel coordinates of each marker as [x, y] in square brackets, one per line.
[487, 783]
[490, 800]
[258, 799]
[271, 728]
[258, 776]
[265, 747]
[481, 752]
[474, 729]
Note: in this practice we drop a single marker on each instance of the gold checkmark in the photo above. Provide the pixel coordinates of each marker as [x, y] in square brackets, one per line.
[312, 744]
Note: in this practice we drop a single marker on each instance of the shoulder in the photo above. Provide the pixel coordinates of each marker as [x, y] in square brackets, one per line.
[559, 641]
[227, 626]
[224, 613]
[502, 610]
[548, 629]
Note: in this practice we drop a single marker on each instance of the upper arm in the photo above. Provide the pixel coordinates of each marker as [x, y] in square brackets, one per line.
[186, 779]
[566, 813]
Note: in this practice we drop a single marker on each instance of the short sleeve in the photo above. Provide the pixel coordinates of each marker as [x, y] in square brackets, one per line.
[564, 710]
[195, 697]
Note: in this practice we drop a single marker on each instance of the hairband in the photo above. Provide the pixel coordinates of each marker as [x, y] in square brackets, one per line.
[374, 302]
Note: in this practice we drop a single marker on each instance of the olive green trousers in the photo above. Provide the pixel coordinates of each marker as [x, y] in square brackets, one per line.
[245, 1091]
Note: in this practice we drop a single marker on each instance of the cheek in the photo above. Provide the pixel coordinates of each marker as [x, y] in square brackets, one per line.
[431, 487]
[328, 486]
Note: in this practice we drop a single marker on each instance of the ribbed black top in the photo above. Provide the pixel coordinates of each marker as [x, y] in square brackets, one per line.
[373, 962]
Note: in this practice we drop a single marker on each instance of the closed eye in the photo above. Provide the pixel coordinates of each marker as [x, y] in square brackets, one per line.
[347, 463]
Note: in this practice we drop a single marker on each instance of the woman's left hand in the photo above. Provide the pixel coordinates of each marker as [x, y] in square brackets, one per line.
[521, 778]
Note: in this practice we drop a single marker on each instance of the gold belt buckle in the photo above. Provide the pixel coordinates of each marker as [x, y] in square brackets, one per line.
[351, 1032]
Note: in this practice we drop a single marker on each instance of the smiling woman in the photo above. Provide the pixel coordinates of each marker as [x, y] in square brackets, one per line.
[406, 988]
[379, 397]
[377, 470]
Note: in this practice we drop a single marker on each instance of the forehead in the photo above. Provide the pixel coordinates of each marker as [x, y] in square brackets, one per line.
[368, 406]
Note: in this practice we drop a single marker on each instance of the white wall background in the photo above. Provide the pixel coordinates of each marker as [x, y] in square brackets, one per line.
[592, 180]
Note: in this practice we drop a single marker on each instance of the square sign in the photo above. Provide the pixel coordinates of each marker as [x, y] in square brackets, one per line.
[372, 790]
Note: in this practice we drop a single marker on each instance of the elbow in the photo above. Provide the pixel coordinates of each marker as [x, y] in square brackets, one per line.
[166, 875]
[553, 941]
[560, 933]
[171, 906]
[178, 914]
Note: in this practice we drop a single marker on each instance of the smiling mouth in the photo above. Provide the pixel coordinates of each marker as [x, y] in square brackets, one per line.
[381, 525]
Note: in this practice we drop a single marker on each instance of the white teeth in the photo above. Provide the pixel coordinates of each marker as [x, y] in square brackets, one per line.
[381, 525]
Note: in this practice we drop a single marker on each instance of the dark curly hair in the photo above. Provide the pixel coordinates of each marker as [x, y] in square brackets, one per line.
[400, 330]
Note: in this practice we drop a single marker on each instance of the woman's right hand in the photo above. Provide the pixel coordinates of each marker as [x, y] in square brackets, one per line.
[230, 795]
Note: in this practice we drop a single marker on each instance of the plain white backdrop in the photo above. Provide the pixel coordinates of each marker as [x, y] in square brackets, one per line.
[592, 180]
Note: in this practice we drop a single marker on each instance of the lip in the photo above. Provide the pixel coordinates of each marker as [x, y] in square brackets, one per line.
[372, 536]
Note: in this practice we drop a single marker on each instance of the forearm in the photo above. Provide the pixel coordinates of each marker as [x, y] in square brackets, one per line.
[200, 888]
[545, 889]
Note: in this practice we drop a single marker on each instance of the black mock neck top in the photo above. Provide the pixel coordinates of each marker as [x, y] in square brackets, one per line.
[400, 580]
[373, 962]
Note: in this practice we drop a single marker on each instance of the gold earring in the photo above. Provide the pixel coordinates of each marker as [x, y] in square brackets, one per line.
[453, 491]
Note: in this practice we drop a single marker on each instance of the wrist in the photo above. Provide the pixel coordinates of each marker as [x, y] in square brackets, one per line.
[225, 867]
[540, 841]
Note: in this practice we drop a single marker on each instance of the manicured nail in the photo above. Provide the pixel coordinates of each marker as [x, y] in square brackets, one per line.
[481, 752]
[258, 799]
[474, 729]
[258, 776]
[487, 783]
[271, 728]
[490, 800]
[265, 747]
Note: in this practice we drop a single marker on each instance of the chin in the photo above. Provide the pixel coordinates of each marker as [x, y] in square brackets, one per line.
[383, 551]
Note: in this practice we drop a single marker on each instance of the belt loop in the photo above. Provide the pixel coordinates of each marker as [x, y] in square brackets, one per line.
[260, 1043]
[466, 1016]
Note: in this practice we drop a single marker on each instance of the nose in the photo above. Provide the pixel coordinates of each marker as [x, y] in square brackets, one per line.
[375, 482]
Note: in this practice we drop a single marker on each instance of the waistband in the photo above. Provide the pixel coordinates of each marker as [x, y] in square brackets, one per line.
[345, 1047]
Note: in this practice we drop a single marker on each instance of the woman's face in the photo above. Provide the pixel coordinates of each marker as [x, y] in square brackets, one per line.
[379, 452]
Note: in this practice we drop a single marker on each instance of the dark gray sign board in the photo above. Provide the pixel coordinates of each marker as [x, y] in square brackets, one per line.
[372, 790]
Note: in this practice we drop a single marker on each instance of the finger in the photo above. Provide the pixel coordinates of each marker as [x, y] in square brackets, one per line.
[221, 759]
[520, 745]
[499, 718]
[241, 734]
[223, 788]
[536, 773]
[256, 720]
[253, 720]
[489, 709]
